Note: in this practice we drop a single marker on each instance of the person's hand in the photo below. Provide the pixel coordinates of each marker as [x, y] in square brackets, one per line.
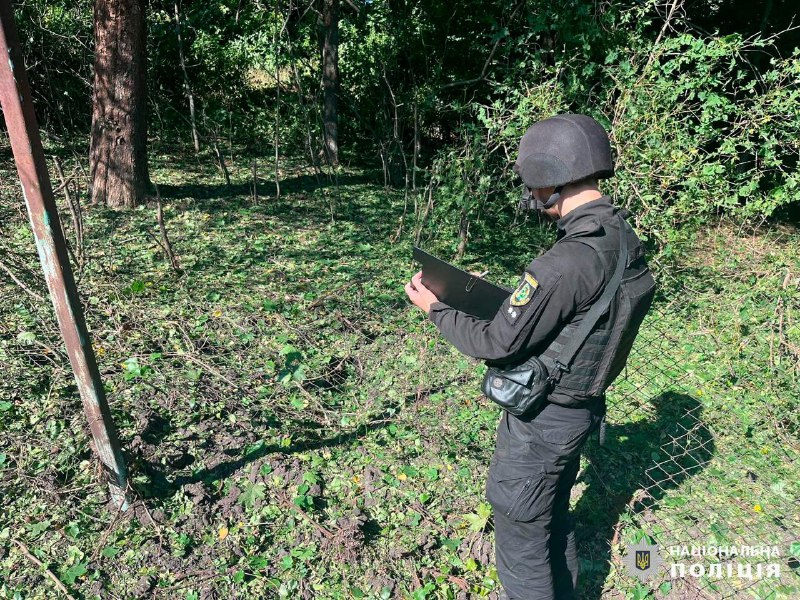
[419, 295]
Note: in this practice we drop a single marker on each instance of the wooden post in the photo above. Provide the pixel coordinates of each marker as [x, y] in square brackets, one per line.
[23, 132]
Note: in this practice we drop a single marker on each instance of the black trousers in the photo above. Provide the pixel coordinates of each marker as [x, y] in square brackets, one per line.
[534, 467]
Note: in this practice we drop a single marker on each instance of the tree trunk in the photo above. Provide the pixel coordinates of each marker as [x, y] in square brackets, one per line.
[330, 78]
[463, 234]
[118, 148]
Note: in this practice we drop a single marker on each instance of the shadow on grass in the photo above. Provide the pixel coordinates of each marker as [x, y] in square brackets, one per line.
[162, 487]
[655, 456]
[265, 189]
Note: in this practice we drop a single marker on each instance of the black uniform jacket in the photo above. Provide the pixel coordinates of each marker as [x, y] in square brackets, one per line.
[562, 281]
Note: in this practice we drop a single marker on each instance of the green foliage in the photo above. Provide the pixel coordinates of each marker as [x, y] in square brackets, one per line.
[56, 38]
[292, 426]
[699, 134]
[697, 130]
[703, 123]
[370, 469]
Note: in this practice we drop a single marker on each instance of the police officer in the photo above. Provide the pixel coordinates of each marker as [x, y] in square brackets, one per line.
[537, 455]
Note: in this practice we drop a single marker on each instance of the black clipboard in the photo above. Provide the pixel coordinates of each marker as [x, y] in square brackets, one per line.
[459, 289]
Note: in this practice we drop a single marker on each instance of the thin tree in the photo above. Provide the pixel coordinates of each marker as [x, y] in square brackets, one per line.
[186, 85]
[118, 149]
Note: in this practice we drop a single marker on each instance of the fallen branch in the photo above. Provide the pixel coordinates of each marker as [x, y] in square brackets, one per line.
[41, 565]
[24, 287]
[323, 530]
[334, 292]
[255, 182]
[221, 162]
[196, 577]
[207, 367]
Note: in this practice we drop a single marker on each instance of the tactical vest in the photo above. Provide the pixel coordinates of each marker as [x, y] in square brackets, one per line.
[603, 355]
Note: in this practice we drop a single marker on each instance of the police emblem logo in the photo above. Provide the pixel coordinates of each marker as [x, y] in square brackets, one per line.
[524, 292]
[643, 561]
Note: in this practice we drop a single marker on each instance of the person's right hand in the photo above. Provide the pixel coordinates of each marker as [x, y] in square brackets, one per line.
[420, 295]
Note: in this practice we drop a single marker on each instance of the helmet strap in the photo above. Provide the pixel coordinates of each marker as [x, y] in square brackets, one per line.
[554, 197]
[531, 202]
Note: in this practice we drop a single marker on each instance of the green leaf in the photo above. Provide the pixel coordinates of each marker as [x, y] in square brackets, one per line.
[476, 522]
[255, 491]
[451, 544]
[675, 501]
[794, 549]
[26, 337]
[133, 369]
[255, 447]
[36, 529]
[640, 592]
[72, 530]
[75, 571]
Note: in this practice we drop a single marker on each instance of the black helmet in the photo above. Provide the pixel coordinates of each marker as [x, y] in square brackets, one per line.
[561, 150]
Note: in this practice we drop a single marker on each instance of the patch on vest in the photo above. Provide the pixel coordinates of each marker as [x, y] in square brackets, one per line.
[523, 294]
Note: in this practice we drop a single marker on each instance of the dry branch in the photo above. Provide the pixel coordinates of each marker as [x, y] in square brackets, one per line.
[22, 286]
[41, 565]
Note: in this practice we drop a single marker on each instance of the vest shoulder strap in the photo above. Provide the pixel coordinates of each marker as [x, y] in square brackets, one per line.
[579, 336]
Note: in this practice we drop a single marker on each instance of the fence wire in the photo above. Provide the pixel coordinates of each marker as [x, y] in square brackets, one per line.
[700, 477]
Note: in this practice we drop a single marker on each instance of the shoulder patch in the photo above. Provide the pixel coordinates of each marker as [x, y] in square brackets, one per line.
[524, 292]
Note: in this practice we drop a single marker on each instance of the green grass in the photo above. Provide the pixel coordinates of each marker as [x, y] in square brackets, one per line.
[295, 429]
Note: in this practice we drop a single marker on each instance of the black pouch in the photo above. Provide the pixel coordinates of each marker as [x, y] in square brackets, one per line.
[518, 389]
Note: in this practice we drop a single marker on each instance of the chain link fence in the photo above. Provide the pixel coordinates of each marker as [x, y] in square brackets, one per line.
[686, 471]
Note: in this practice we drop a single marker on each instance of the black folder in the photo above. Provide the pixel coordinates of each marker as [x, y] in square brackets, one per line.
[459, 289]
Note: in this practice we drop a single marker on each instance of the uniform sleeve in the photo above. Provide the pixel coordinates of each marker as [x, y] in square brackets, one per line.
[541, 304]
[533, 306]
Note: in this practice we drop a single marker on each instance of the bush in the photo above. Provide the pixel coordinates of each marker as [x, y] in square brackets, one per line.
[697, 130]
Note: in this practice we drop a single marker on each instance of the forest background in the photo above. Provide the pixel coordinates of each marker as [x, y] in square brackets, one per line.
[293, 428]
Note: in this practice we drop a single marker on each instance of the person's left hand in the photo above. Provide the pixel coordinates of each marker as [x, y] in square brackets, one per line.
[419, 294]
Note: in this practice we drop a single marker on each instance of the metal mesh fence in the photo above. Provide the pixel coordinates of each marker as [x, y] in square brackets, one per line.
[692, 477]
